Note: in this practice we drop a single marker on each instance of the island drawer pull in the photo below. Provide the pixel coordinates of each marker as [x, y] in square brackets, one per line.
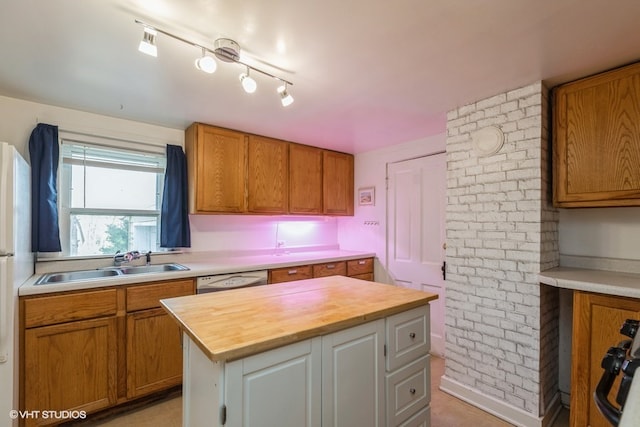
[331, 266]
[412, 335]
[362, 262]
[294, 271]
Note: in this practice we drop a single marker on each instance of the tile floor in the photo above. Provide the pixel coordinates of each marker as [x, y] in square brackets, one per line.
[447, 411]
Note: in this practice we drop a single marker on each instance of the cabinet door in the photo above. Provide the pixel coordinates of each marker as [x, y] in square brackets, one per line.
[337, 183]
[154, 352]
[596, 324]
[217, 168]
[268, 175]
[277, 388]
[71, 366]
[305, 179]
[597, 140]
[353, 376]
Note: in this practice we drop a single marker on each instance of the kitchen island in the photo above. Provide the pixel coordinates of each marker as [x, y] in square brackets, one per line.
[318, 352]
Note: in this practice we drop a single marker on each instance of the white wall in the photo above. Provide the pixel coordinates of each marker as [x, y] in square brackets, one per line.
[366, 230]
[601, 232]
[18, 118]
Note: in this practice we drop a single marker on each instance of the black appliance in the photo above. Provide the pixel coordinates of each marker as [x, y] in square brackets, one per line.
[622, 359]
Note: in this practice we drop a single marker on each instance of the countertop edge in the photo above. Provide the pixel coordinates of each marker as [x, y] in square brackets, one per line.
[598, 281]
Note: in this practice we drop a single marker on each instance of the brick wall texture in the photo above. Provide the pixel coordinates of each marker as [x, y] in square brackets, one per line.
[501, 230]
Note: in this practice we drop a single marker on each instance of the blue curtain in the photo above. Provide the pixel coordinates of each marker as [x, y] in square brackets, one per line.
[174, 216]
[44, 149]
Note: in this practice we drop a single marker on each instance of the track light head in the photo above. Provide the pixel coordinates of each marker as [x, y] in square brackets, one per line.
[148, 42]
[285, 97]
[206, 63]
[248, 84]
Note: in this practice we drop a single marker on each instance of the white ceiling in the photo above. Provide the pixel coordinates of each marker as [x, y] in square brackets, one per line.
[366, 73]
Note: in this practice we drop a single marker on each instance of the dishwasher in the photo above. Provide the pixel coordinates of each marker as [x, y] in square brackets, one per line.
[223, 282]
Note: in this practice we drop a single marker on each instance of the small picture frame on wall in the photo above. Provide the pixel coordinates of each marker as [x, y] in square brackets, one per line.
[367, 196]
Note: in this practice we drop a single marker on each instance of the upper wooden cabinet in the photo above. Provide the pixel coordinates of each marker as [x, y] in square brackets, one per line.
[217, 165]
[596, 136]
[233, 172]
[337, 183]
[305, 179]
[268, 175]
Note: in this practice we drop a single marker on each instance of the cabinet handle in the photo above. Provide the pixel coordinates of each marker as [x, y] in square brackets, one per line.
[292, 272]
[412, 335]
[412, 390]
[331, 266]
[362, 262]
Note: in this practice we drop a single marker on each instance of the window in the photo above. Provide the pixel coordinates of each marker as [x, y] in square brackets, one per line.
[110, 199]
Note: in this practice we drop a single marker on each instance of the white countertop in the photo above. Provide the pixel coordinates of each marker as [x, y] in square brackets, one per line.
[598, 281]
[201, 265]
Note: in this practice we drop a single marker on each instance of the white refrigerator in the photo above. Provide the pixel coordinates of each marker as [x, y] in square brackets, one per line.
[16, 266]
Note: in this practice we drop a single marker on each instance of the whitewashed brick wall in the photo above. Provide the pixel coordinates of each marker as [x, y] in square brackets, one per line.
[501, 231]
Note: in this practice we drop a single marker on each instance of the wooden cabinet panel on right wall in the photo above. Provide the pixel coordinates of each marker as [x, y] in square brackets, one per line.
[337, 183]
[596, 140]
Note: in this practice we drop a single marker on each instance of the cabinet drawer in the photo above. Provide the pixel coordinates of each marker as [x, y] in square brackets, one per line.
[359, 266]
[408, 390]
[330, 269]
[55, 309]
[289, 274]
[421, 419]
[148, 296]
[365, 276]
[407, 336]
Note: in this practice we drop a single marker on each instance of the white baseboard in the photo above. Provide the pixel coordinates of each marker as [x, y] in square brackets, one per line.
[499, 408]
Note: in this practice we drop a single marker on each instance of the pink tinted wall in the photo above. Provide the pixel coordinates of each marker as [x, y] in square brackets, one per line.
[257, 233]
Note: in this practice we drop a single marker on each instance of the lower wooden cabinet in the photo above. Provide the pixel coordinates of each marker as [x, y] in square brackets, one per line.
[154, 353]
[597, 319]
[90, 350]
[70, 366]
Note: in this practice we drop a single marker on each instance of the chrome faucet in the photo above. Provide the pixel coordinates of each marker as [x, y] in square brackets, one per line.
[121, 258]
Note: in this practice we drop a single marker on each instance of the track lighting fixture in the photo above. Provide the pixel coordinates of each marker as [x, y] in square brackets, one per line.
[148, 42]
[248, 84]
[285, 97]
[206, 63]
[225, 50]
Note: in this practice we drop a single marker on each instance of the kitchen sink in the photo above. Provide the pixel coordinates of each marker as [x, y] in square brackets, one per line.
[105, 273]
[154, 268]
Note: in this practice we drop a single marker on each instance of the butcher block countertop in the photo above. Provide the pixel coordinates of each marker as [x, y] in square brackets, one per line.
[234, 324]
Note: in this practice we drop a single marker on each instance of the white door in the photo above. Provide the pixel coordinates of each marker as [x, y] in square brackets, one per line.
[353, 377]
[416, 232]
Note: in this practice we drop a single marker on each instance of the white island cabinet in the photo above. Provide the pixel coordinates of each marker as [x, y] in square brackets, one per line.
[324, 352]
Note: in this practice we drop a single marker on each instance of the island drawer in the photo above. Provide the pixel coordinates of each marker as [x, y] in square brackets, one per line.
[289, 274]
[407, 337]
[51, 310]
[359, 267]
[142, 297]
[408, 390]
[330, 269]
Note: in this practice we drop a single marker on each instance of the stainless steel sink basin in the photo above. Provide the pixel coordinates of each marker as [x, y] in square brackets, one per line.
[105, 273]
[155, 268]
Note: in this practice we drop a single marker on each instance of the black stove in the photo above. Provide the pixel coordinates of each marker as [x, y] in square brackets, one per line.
[623, 359]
